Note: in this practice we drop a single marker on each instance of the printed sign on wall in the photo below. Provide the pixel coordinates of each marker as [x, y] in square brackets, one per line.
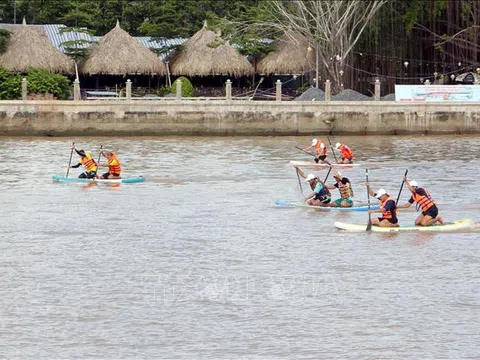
[437, 93]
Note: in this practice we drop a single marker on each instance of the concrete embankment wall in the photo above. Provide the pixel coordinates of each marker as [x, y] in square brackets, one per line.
[238, 117]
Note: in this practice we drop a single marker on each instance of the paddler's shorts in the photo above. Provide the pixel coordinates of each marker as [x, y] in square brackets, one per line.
[87, 175]
[105, 176]
[393, 220]
[349, 201]
[323, 198]
[433, 212]
[350, 161]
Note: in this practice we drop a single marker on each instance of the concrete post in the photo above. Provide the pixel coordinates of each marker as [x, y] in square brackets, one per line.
[377, 90]
[179, 89]
[76, 90]
[328, 91]
[278, 91]
[24, 89]
[228, 90]
[129, 90]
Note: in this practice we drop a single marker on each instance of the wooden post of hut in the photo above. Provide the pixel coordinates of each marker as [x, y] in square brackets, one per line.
[129, 90]
[377, 90]
[278, 90]
[24, 89]
[228, 90]
[179, 89]
[328, 91]
[76, 89]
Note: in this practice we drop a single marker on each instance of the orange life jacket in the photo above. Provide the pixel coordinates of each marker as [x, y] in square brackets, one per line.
[387, 214]
[425, 202]
[346, 152]
[319, 150]
[89, 163]
[114, 169]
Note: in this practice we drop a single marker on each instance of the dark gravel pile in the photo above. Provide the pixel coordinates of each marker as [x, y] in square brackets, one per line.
[350, 95]
[389, 97]
[312, 94]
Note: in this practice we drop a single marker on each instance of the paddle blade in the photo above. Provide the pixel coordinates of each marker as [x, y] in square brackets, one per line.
[369, 225]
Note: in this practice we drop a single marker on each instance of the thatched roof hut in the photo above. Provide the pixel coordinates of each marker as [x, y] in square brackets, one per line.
[27, 48]
[117, 53]
[207, 54]
[292, 56]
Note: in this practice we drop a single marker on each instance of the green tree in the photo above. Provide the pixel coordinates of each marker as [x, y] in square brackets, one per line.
[77, 49]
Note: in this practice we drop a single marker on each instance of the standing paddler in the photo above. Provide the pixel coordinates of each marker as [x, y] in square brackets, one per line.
[320, 195]
[87, 160]
[422, 197]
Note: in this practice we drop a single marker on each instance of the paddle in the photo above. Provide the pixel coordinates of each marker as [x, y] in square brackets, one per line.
[369, 225]
[306, 152]
[100, 153]
[401, 187]
[98, 162]
[299, 182]
[315, 156]
[70, 161]
[333, 151]
[328, 173]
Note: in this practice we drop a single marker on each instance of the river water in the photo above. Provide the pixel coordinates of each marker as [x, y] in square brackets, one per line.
[198, 262]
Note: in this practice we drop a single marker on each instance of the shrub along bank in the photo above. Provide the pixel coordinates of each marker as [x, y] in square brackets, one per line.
[39, 82]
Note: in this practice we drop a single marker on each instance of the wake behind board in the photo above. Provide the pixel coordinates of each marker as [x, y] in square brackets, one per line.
[458, 225]
[323, 208]
[320, 164]
[106, 181]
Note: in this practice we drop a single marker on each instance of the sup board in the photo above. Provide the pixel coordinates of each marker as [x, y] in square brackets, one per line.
[320, 164]
[323, 208]
[458, 225]
[106, 181]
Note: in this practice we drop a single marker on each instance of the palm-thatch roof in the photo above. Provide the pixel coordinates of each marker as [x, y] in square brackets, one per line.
[27, 48]
[15, 27]
[292, 56]
[207, 54]
[117, 53]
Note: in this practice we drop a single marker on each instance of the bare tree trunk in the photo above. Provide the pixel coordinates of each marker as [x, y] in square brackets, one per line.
[333, 26]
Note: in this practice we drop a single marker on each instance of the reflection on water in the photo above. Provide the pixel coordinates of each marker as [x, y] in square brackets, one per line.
[198, 262]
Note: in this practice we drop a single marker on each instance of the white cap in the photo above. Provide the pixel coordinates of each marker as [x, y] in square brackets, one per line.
[337, 145]
[314, 142]
[380, 193]
[413, 183]
[310, 177]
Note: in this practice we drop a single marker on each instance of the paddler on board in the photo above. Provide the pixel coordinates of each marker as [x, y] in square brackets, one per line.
[388, 208]
[344, 187]
[320, 195]
[114, 167]
[422, 197]
[345, 152]
[320, 149]
[87, 160]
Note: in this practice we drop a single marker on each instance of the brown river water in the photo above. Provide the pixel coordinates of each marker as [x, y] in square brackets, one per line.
[198, 262]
